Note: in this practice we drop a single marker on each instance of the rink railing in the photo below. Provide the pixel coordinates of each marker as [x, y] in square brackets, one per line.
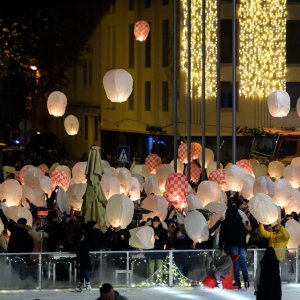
[56, 270]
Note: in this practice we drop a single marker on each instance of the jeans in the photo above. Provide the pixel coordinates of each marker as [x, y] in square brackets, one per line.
[239, 263]
[84, 277]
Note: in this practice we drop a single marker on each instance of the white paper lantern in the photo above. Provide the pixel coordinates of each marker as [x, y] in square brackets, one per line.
[39, 200]
[46, 185]
[151, 186]
[57, 103]
[275, 169]
[124, 177]
[142, 170]
[11, 190]
[110, 185]
[162, 173]
[263, 209]
[296, 161]
[193, 202]
[17, 212]
[283, 192]
[1, 227]
[75, 195]
[196, 226]
[28, 195]
[32, 177]
[293, 228]
[265, 185]
[158, 206]
[208, 191]
[209, 156]
[119, 211]
[142, 237]
[260, 170]
[279, 103]
[247, 190]
[292, 174]
[294, 202]
[180, 166]
[141, 30]
[78, 172]
[234, 178]
[254, 162]
[141, 181]
[118, 85]
[135, 190]
[298, 107]
[61, 199]
[212, 166]
[71, 124]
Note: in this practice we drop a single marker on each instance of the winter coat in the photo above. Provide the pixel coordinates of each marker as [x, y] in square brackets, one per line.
[117, 297]
[277, 239]
[83, 260]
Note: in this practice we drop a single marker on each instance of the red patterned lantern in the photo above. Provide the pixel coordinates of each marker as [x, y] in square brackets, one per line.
[218, 176]
[245, 164]
[183, 152]
[195, 149]
[23, 171]
[44, 168]
[60, 178]
[141, 30]
[177, 190]
[195, 173]
[153, 161]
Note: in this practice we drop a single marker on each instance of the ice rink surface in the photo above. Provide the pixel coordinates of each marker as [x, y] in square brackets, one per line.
[290, 292]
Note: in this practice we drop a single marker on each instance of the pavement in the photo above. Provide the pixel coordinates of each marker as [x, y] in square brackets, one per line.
[289, 292]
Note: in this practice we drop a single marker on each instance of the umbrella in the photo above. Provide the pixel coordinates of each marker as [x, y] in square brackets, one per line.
[94, 200]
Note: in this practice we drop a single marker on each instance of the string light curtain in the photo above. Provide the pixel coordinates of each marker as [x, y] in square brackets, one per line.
[262, 47]
[196, 41]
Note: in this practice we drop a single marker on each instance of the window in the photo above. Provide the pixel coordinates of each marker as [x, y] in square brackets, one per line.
[165, 43]
[130, 4]
[147, 95]
[131, 43]
[226, 94]
[131, 101]
[86, 127]
[292, 41]
[148, 50]
[165, 96]
[226, 41]
[293, 89]
[147, 3]
[288, 148]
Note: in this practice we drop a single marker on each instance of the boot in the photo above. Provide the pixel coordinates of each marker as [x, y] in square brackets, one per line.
[87, 287]
[238, 284]
[246, 282]
[79, 287]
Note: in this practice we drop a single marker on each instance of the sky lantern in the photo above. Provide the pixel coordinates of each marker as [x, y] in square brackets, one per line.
[183, 152]
[118, 85]
[293, 228]
[78, 172]
[292, 174]
[119, 211]
[151, 186]
[11, 191]
[208, 191]
[158, 206]
[162, 173]
[110, 185]
[279, 104]
[247, 190]
[265, 185]
[44, 168]
[135, 190]
[218, 176]
[152, 161]
[209, 157]
[275, 169]
[57, 103]
[283, 192]
[212, 166]
[196, 226]
[141, 30]
[195, 172]
[245, 164]
[142, 237]
[60, 178]
[142, 170]
[180, 166]
[263, 209]
[75, 195]
[260, 170]
[298, 107]
[193, 202]
[296, 161]
[234, 178]
[17, 212]
[71, 124]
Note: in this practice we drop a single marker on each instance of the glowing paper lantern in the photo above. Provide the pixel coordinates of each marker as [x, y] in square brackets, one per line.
[44, 168]
[209, 157]
[195, 172]
[275, 169]
[196, 226]
[292, 174]
[39, 199]
[283, 192]
[28, 194]
[141, 170]
[142, 237]
[151, 186]
[208, 191]
[124, 177]
[296, 161]
[247, 190]
[78, 172]
[61, 200]
[246, 165]
[218, 176]
[294, 202]
[235, 178]
[195, 150]
[162, 173]
[141, 181]
[183, 153]
[60, 178]
[176, 190]
[265, 185]
[1, 227]
[218, 210]
[11, 190]
[65, 169]
[46, 185]
[118, 85]
[71, 124]
[180, 166]
[293, 228]
[75, 195]
[263, 209]
[152, 161]
[260, 170]
[279, 103]
[254, 163]
[135, 190]
[158, 206]
[212, 166]
[57, 103]
[119, 211]
[298, 107]
[110, 185]
[53, 167]
[23, 171]
[141, 30]
[32, 176]
[17, 212]
[193, 202]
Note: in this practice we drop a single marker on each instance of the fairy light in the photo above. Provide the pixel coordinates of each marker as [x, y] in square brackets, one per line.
[196, 42]
[262, 42]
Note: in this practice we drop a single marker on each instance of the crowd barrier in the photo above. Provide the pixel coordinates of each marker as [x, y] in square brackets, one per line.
[56, 270]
